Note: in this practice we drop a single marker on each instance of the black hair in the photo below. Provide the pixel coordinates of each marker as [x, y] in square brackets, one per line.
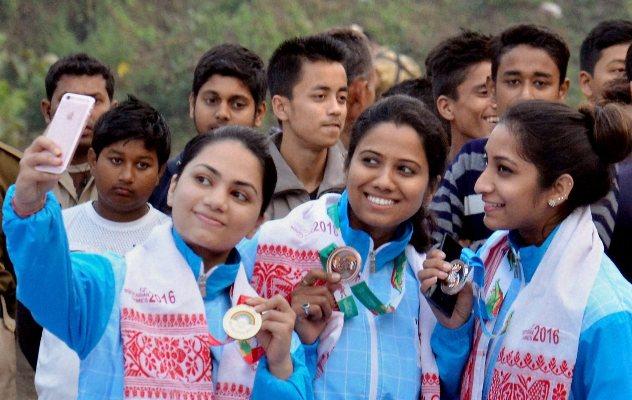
[77, 65]
[133, 119]
[417, 88]
[235, 61]
[605, 34]
[448, 63]
[405, 110]
[628, 64]
[616, 91]
[252, 140]
[558, 140]
[533, 36]
[358, 61]
[420, 89]
[286, 64]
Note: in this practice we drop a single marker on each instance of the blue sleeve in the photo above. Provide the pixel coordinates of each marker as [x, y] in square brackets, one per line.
[452, 349]
[604, 358]
[70, 294]
[311, 356]
[298, 386]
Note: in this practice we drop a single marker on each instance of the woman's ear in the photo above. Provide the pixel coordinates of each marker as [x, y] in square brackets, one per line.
[560, 190]
[433, 185]
[172, 189]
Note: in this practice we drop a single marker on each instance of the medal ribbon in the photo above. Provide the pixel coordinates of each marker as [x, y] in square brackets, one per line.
[249, 349]
[481, 311]
[359, 288]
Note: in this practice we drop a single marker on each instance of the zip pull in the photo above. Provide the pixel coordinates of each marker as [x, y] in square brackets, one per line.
[372, 261]
[202, 281]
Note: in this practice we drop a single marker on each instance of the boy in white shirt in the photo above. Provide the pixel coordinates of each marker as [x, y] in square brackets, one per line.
[130, 147]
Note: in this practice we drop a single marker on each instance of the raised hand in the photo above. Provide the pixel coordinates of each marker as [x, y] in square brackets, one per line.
[435, 269]
[275, 335]
[313, 303]
[31, 185]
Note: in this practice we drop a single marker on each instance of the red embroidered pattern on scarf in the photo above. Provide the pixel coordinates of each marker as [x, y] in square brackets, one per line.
[430, 389]
[520, 376]
[535, 363]
[229, 390]
[166, 356]
[494, 259]
[279, 268]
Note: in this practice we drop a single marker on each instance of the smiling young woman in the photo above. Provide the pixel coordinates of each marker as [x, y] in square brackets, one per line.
[145, 324]
[552, 305]
[348, 262]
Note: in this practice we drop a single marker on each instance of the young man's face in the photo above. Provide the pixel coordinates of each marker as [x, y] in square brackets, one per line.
[224, 100]
[474, 113]
[526, 73]
[125, 174]
[316, 113]
[609, 66]
[89, 85]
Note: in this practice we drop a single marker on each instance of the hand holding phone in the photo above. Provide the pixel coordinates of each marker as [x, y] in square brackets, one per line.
[66, 128]
[443, 295]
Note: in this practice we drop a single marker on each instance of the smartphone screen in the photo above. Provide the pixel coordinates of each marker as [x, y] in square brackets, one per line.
[451, 248]
[67, 126]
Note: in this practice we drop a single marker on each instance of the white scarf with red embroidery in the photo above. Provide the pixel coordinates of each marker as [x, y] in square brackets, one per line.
[539, 348]
[164, 332]
[290, 246]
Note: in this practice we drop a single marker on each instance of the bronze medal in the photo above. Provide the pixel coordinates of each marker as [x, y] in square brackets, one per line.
[346, 261]
[242, 322]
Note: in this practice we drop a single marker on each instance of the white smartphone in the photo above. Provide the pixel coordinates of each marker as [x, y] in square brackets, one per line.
[67, 126]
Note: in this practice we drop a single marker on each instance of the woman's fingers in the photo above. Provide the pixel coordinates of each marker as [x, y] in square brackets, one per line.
[276, 302]
[42, 143]
[316, 274]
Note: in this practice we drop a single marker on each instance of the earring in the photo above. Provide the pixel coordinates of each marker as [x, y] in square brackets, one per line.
[554, 202]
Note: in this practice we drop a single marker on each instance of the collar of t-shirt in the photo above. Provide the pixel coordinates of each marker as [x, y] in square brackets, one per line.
[223, 275]
[530, 256]
[361, 241]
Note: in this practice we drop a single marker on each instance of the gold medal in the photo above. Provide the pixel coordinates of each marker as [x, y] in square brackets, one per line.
[242, 322]
[346, 261]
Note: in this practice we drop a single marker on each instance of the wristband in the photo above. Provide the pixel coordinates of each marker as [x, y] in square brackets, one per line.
[24, 214]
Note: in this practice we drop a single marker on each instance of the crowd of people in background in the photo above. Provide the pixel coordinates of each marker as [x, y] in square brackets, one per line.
[115, 275]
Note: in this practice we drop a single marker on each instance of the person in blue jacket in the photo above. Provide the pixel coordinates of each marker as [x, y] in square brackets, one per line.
[146, 325]
[348, 264]
[553, 314]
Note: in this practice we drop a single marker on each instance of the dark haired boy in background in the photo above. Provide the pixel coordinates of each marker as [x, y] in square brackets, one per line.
[602, 57]
[308, 90]
[229, 88]
[81, 74]
[130, 147]
[458, 69]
